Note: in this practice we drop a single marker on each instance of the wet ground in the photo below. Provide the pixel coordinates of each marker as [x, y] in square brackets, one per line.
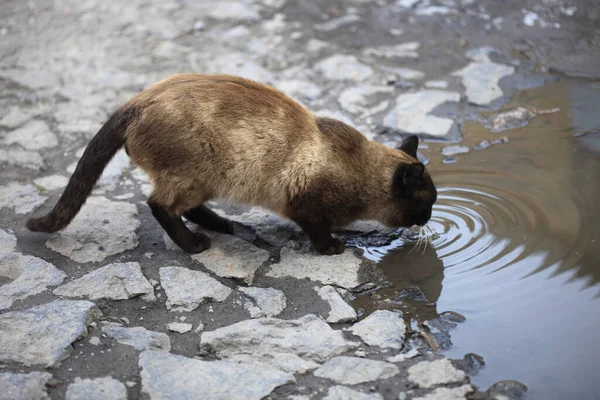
[511, 272]
[517, 247]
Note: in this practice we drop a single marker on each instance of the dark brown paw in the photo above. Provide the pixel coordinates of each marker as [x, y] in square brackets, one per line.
[335, 246]
[199, 243]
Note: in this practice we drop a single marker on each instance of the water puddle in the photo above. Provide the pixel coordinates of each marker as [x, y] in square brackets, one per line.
[518, 247]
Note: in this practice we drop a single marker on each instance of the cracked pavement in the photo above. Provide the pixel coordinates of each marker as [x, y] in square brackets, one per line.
[108, 308]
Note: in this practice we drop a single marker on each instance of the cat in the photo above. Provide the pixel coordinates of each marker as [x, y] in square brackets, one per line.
[202, 137]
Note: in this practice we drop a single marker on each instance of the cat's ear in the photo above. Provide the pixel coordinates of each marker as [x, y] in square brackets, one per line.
[406, 178]
[413, 174]
[409, 145]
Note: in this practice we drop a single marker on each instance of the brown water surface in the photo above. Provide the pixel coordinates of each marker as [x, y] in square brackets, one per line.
[518, 251]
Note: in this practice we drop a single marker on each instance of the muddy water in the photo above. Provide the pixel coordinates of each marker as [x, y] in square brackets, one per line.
[518, 248]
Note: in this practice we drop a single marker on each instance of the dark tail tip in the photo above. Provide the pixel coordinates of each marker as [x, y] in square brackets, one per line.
[43, 224]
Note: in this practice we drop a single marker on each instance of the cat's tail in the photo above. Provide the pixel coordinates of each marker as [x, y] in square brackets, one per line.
[101, 149]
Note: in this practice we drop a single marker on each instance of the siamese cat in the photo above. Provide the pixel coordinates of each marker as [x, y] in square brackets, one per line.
[202, 137]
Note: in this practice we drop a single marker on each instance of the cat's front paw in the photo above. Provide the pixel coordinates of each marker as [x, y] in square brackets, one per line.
[334, 246]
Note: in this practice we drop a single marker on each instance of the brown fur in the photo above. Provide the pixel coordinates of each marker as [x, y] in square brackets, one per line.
[202, 137]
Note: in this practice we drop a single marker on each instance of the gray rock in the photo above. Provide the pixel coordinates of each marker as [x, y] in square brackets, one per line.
[512, 119]
[344, 67]
[335, 23]
[403, 50]
[507, 390]
[340, 310]
[116, 281]
[232, 257]
[168, 376]
[268, 302]
[233, 10]
[101, 229]
[96, 389]
[43, 334]
[22, 158]
[34, 135]
[357, 99]
[15, 118]
[382, 328]
[179, 327]
[28, 276]
[454, 149]
[51, 182]
[138, 337]
[31, 386]
[340, 270]
[23, 199]
[8, 240]
[458, 393]
[481, 81]
[344, 393]
[292, 345]
[297, 88]
[113, 172]
[431, 373]
[412, 112]
[355, 370]
[471, 363]
[186, 289]
[436, 84]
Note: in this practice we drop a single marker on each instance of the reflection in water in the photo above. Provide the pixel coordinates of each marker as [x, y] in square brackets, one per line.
[518, 249]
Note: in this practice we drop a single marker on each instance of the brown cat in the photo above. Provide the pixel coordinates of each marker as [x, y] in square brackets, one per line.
[203, 137]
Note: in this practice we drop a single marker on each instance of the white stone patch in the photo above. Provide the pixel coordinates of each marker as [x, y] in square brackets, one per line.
[96, 389]
[116, 281]
[23, 199]
[341, 67]
[291, 345]
[113, 172]
[95, 341]
[34, 135]
[340, 269]
[138, 337]
[235, 63]
[403, 50]
[316, 45]
[407, 3]
[186, 289]
[403, 356]
[22, 158]
[434, 10]
[458, 393]
[335, 23]
[233, 10]
[358, 99]
[179, 327]
[29, 275]
[481, 77]
[8, 240]
[102, 228]
[431, 373]
[436, 84]
[344, 393]
[42, 335]
[454, 149]
[31, 386]
[341, 311]
[51, 182]
[232, 257]
[382, 328]
[355, 370]
[15, 118]
[297, 88]
[407, 73]
[268, 302]
[412, 112]
[168, 376]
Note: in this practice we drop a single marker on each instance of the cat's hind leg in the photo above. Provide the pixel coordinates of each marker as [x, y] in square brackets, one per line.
[208, 219]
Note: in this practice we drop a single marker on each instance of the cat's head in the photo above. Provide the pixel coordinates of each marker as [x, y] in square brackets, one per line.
[413, 192]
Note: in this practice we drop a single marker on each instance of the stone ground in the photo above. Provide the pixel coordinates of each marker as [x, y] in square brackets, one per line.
[110, 309]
